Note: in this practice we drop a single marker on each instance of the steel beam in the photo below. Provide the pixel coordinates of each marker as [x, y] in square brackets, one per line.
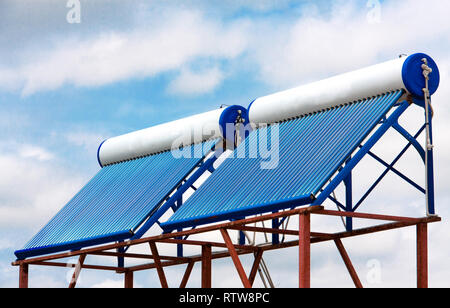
[135, 256]
[254, 271]
[187, 274]
[23, 276]
[235, 258]
[83, 266]
[374, 229]
[202, 243]
[169, 235]
[422, 255]
[234, 251]
[128, 280]
[159, 268]
[348, 263]
[304, 246]
[206, 266]
[368, 216]
[76, 272]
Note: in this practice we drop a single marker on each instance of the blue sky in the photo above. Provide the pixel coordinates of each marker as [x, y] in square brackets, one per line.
[132, 64]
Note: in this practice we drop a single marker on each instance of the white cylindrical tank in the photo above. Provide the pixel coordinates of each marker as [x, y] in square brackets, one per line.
[171, 135]
[402, 73]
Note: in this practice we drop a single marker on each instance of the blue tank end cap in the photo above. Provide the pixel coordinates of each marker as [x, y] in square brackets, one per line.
[412, 75]
[229, 115]
[98, 153]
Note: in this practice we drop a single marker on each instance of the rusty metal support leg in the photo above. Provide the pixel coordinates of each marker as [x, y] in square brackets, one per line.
[76, 272]
[348, 263]
[187, 274]
[422, 255]
[159, 268]
[206, 266]
[235, 258]
[23, 276]
[304, 245]
[128, 280]
[254, 271]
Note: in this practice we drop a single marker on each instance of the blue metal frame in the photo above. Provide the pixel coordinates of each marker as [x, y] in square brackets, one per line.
[76, 245]
[391, 168]
[430, 176]
[348, 200]
[170, 203]
[230, 215]
[179, 203]
[275, 225]
[317, 173]
[391, 165]
[120, 259]
[345, 173]
[411, 139]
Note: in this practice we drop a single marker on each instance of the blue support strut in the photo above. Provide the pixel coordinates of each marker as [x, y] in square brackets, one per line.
[361, 153]
[411, 139]
[391, 168]
[120, 260]
[391, 165]
[348, 200]
[275, 225]
[174, 198]
[429, 169]
[179, 203]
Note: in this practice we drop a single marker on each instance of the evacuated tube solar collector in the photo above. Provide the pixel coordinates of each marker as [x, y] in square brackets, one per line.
[322, 124]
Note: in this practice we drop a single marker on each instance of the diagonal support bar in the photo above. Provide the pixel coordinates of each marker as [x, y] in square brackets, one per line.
[235, 258]
[387, 170]
[339, 204]
[411, 139]
[187, 274]
[76, 272]
[254, 271]
[154, 217]
[391, 168]
[159, 268]
[361, 153]
[348, 263]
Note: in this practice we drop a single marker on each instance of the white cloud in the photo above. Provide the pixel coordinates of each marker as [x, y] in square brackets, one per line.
[5, 244]
[35, 152]
[109, 283]
[47, 188]
[86, 140]
[318, 45]
[286, 53]
[178, 38]
[188, 82]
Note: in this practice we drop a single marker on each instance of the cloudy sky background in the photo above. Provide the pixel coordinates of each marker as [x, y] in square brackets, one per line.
[131, 64]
